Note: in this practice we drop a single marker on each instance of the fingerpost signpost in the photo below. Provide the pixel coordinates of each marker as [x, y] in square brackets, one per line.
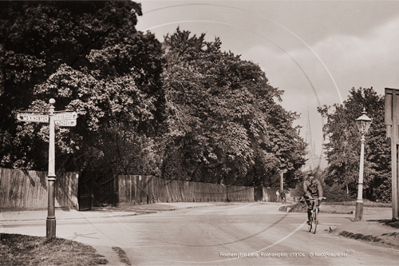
[62, 119]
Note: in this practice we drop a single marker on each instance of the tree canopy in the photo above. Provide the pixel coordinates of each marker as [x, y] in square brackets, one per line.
[225, 123]
[343, 146]
[182, 109]
[90, 58]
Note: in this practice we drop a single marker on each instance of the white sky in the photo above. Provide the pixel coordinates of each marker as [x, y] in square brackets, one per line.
[315, 51]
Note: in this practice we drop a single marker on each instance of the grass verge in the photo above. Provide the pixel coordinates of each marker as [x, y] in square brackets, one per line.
[360, 236]
[122, 255]
[382, 239]
[297, 207]
[366, 203]
[391, 223]
[18, 249]
[301, 207]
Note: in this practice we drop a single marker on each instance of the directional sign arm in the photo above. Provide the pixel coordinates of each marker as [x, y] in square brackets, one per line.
[27, 117]
[66, 116]
[65, 123]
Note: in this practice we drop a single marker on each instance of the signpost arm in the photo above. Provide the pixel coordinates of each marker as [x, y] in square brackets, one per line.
[51, 222]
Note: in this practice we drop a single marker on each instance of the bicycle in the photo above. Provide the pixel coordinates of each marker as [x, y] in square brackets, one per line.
[312, 225]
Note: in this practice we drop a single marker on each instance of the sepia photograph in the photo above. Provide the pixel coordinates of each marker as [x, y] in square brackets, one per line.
[192, 132]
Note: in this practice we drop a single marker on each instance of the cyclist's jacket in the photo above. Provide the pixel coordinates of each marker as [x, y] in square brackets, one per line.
[312, 189]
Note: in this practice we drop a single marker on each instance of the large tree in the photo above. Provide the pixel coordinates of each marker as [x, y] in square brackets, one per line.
[343, 144]
[88, 56]
[224, 120]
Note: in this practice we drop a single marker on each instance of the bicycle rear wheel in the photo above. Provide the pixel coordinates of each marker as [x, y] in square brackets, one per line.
[314, 222]
[310, 224]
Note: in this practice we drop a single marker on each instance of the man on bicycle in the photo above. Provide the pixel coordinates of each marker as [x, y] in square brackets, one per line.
[313, 190]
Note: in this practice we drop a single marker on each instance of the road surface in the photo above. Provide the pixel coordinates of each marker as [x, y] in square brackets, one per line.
[244, 234]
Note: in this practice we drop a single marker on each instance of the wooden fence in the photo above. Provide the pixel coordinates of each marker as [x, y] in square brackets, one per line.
[149, 189]
[28, 189]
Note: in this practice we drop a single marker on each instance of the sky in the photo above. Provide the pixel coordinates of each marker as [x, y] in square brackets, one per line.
[315, 51]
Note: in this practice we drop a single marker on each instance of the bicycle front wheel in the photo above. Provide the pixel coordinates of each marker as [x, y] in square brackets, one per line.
[310, 224]
[314, 222]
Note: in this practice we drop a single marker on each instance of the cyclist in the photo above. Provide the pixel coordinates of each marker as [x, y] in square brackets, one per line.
[313, 190]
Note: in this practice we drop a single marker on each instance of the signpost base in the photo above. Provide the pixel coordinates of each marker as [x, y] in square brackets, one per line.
[50, 223]
[50, 227]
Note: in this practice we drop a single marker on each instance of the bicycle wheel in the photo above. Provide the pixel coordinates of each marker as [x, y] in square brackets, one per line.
[310, 223]
[314, 222]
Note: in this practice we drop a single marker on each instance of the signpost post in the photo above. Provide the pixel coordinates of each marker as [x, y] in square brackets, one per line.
[51, 223]
[67, 119]
[392, 123]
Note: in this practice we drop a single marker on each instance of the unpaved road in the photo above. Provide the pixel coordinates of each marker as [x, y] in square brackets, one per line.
[217, 235]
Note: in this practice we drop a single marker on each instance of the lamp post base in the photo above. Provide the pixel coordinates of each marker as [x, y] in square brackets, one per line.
[359, 212]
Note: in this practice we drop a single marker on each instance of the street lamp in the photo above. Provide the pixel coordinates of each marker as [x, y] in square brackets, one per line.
[363, 123]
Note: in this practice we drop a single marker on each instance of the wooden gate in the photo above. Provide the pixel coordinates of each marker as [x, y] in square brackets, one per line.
[97, 189]
[85, 191]
[106, 189]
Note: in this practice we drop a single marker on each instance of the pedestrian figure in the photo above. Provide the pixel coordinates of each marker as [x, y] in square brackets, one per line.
[278, 195]
[283, 198]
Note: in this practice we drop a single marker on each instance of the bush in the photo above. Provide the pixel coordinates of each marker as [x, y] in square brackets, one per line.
[335, 193]
[297, 191]
[384, 192]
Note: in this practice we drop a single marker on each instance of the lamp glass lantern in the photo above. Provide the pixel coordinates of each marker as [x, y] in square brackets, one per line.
[363, 123]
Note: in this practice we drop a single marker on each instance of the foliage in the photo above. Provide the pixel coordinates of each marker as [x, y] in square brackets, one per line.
[333, 193]
[89, 57]
[182, 109]
[343, 147]
[224, 124]
[297, 191]
[336, 193]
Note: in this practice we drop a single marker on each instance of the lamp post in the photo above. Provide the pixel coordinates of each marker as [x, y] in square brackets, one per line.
[363, 123]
